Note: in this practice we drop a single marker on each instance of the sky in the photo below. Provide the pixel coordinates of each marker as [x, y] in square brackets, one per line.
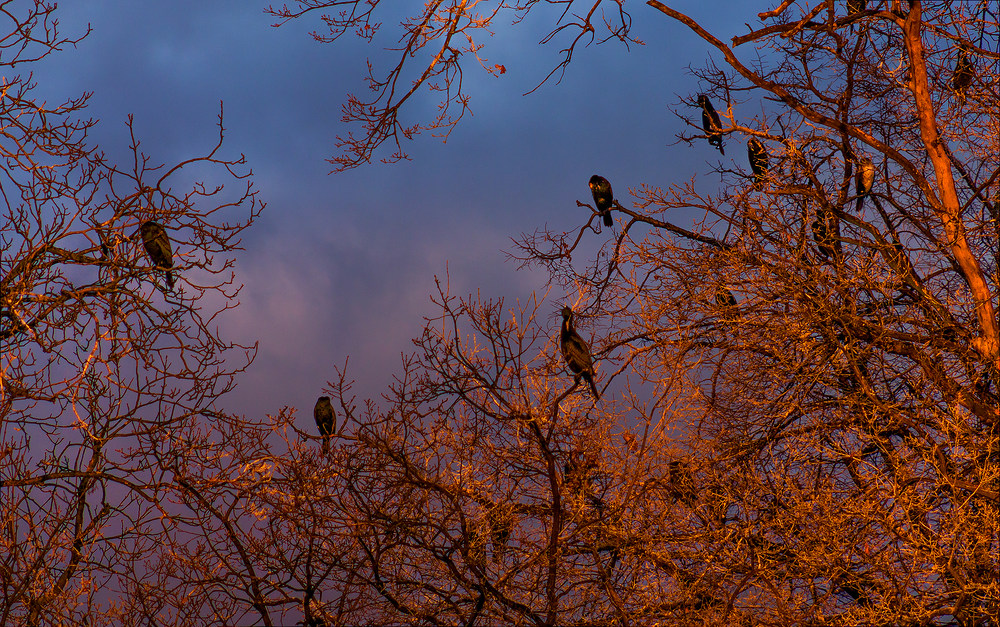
[344, 264]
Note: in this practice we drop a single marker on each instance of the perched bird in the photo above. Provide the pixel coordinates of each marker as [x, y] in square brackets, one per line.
[730, 313]
[897, 258]
[724, 298]
[323, 412]
[982, 385]
[603, 198]
[825, 228]
[962, 77]
[598, 504]
[864, 179]
[857, 590]
[758, 162]
[710, 122]
[154, 238]
[576, 352]
[104, 239]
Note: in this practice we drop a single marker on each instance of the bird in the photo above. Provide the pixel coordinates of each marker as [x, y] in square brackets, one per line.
[896, 255]
[962, 77]
[728, 303]
[603, 198]
[157, 243]
[576, 352]
[825, 228]
[758, 162]
[864, 179]
[325, 420]
[710, 122]
[724, 298]
[681, 482]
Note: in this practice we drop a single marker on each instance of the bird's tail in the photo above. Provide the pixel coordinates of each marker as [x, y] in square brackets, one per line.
[170, 279]
[859, 204]
[593, 387]
[608, 220]
[326, 444]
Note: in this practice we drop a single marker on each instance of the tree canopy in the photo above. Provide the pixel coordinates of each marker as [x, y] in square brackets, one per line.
[800, 392]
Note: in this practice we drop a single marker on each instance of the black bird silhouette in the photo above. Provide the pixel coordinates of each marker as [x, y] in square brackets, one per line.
[758, 162]
[962, 77]
[864, 180]
[710, 122]
[325, 420]
[576, 352]
[603, 197]
[730, 306]
[154, 238]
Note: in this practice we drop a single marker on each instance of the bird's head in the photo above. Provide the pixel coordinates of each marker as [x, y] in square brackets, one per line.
[567, 313]
[702, 100]
[323, 399]
[595, 182]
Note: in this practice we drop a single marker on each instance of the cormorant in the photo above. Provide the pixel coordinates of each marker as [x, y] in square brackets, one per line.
[710, 122]
[681, 482]
[758, 162]
[724, 298]
[603, 198]
[576, 352]
[323, 412]
[729, 306]
[154, 238]
[962, 77]
[824, 229]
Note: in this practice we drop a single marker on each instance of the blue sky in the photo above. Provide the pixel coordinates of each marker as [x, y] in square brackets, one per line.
[343, 265]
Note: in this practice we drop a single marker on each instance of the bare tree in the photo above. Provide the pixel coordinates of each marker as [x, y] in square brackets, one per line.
[107, 381]
[798, 423]
[818, 446]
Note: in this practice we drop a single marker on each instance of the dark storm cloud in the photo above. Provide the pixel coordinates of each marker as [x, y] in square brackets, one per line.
[335, 258]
